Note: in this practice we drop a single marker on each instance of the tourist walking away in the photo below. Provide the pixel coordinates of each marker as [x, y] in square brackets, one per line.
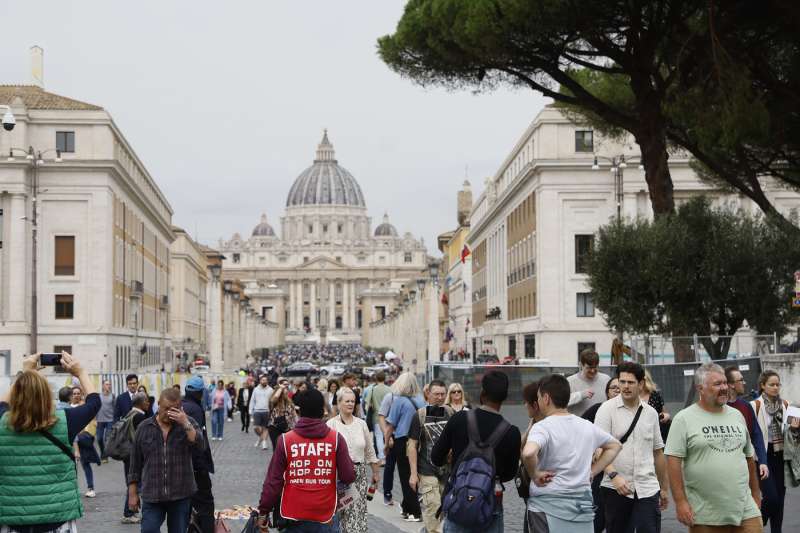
[283, 414]
[231, 388]
[122, 407]
[259, 410]
[83, 446]
[38, 479]
[426, 479]
[770, 411]
[530, 397]
[64, 398]
[710, 463]
[398, 422]
[243, 403]
[362, 453]
[457, 398]
[612, 391]
[635, 488]
[485, 451]
[736, 395]
[220, 404]
[105, 418]
[558, 458]
[306, 496]
[202, 502]
[588, 384]
[390, 461]
[161, 473]
[373, 405]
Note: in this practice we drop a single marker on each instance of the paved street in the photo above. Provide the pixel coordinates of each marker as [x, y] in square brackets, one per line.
[240, 473]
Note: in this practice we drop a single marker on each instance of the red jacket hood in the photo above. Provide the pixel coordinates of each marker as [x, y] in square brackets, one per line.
[311, 428]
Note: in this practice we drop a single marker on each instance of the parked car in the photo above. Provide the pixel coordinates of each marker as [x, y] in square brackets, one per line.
[487, 359]
[334, 370]
[300, 369]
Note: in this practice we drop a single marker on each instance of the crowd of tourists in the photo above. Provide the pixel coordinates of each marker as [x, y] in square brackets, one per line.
[600, 452]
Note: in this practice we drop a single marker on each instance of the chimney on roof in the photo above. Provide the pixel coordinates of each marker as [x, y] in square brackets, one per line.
[37, 66]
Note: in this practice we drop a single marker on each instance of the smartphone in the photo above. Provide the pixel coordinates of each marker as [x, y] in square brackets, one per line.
[50, 359]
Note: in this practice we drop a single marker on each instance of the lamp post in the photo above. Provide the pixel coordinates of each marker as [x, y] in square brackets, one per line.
[35, 159]
[618, 165]
[433, 318]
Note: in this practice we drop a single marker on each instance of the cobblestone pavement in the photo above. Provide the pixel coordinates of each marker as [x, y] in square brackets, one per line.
[240, 474]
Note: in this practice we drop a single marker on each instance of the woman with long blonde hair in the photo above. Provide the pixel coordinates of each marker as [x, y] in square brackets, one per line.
[37, 465]
[457, 398]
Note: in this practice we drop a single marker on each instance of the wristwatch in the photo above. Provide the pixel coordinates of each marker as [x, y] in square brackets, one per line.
[612, 475]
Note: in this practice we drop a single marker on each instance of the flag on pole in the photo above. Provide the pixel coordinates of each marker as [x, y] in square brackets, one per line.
[465, 252]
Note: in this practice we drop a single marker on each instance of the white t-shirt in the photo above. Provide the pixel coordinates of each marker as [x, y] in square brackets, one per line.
[566, 445]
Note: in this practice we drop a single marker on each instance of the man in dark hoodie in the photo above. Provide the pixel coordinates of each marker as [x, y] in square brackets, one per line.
[304, 469]
[202, 461]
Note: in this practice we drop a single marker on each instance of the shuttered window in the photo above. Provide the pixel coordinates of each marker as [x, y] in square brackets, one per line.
[65, 255]
[65, 306]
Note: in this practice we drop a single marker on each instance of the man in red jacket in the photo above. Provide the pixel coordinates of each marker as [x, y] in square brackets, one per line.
[302, 476]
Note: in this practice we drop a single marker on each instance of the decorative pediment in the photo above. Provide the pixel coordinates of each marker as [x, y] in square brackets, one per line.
[322, 263]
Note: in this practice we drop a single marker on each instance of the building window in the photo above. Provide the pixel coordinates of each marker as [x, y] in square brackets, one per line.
[530, 346]
[62, 348]
[585, 304]
[64, 255]
[310, 229]
[585, 346]
[583, 248]
[339, 258]
[65, 306]
[265, 311]
[305, 260]
[338, 322]
[408, 257]
[324, 228]
[584, 141]
[339, 228]
[358, 318]
[237, 258]
[65, 141]
[512, 346]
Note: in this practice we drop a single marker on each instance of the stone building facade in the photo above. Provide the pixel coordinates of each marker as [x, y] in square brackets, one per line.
[325, 274]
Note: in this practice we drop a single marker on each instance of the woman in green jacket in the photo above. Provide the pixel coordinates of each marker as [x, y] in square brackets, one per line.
[40, 493]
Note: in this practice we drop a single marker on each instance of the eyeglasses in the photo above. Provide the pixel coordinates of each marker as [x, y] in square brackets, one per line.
[455, 392]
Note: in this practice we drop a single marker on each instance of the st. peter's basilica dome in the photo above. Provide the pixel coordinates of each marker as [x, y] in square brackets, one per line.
[325, 182]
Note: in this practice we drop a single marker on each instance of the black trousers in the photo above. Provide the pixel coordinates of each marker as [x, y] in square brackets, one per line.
[410, 503]
[203, 501]
[599, 505]
[626, 515]
[773, 490]
[245, 416]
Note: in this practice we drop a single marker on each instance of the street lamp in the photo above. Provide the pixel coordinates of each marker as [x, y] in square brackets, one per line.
[216, 270]
[35, 159]
[618, 165]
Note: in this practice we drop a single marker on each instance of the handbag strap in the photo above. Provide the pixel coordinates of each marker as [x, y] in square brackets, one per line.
[63, 447]
[633, 425]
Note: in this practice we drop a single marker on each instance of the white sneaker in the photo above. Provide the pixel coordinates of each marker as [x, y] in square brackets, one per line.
[90, 493]
[263, 445]
[258, 442]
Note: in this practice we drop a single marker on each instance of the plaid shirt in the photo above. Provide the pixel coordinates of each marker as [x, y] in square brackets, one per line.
[162, 469]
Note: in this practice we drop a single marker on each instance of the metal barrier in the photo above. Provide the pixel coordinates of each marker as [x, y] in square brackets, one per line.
[675, 381]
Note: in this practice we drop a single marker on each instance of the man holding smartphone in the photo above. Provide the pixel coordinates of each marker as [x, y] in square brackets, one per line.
[161, 466]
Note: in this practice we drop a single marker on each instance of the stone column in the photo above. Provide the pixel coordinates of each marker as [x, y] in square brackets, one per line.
[345, 305]
[298, 305]
[352, 306]
[332, 305]
[312, 319]
[214, 326]
[291, 325]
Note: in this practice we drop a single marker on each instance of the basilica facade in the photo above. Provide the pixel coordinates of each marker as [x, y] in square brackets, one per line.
[326, 274]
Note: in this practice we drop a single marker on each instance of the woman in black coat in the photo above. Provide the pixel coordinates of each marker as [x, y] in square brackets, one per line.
[243, 403]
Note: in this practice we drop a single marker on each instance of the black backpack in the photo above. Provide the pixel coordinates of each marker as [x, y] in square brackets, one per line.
[119, 441]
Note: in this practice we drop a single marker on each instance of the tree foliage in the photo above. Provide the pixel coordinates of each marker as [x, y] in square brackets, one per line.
[706, 270]
[717, 79]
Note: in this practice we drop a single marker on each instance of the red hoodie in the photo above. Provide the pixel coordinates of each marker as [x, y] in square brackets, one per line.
[310, 428]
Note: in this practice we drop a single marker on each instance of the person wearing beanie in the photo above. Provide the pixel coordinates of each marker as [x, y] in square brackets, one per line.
[202, 461]
[302, 475]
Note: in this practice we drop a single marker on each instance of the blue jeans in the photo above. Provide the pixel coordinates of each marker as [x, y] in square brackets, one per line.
[379, 442]
[315, 527]
[87, 471]
[102, 427]
[388, 473]
[217, 422]
[176, 512]
[495, 526]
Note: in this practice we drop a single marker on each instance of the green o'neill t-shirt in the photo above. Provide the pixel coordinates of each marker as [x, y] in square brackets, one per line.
[714, 448]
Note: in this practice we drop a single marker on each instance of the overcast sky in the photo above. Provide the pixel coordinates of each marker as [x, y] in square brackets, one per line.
[225, 103]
